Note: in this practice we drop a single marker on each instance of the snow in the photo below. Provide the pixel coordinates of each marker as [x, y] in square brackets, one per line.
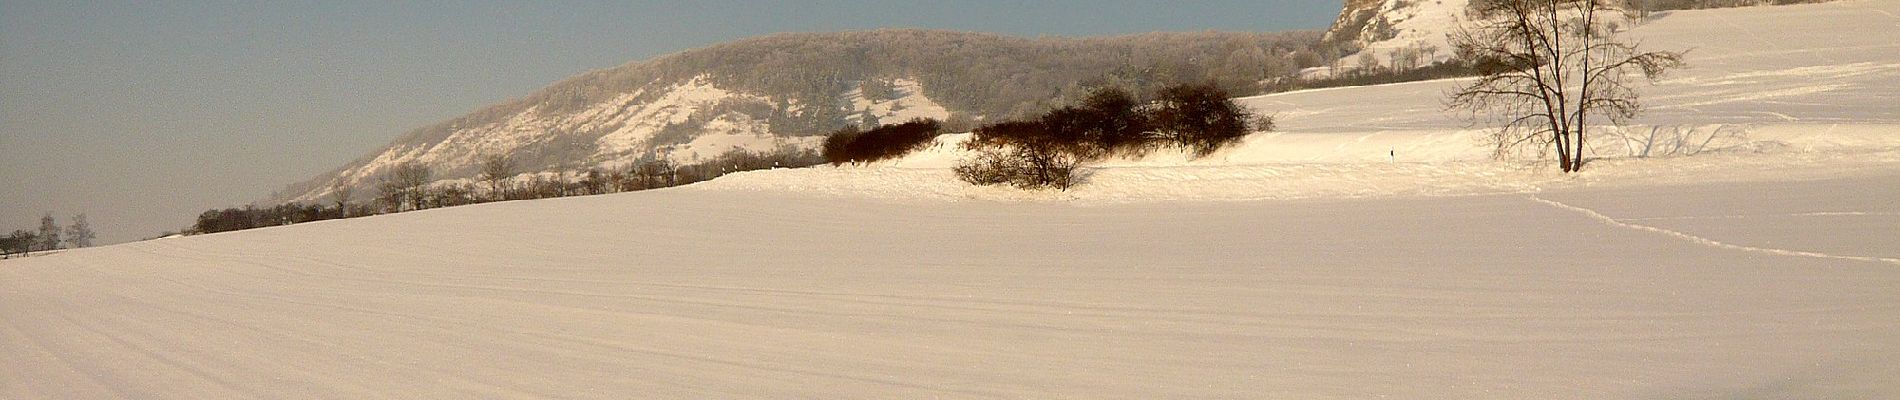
[680, 102]
[705, 294]
[909, 103]
[1418, 24]
[626, 125]
[1822, 110]
[1305, 263]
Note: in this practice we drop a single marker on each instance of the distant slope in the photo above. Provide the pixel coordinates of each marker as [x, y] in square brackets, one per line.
[1379, 28]
[779, 90]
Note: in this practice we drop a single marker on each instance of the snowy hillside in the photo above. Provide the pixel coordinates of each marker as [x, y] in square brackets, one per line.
[632, 126]
[1815, 96]
[763, 93]
[1381, 27]
[1309, 263]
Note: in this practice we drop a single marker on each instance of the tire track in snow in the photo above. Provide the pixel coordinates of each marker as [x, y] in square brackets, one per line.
[1747, 216]
[1705, 241]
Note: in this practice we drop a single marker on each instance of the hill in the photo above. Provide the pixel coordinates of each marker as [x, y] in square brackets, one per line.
[781, 90]
[1301, 264]
[1805, 101]
[1414, 31]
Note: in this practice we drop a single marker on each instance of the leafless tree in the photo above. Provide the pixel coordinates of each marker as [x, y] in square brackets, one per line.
[22, 243]
[80, 233]
[340, 191]
[498, 170]
[49, 233]
[407, 185]
[1548, 67]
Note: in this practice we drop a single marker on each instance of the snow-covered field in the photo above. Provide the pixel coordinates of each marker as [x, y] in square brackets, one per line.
[1689, 292]
[1303, 264]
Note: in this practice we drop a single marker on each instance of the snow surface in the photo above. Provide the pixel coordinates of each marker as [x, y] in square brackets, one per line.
[706, 294]
[638, 125]
[1417, 24]
[1302, 264]
[910, 103]
[626, 126]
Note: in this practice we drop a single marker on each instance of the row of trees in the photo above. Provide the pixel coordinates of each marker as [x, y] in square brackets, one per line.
[411, 186]
[1376, 76]
[48, 237]
[1044, 152]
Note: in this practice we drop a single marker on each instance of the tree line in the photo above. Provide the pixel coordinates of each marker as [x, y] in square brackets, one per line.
[49, 237]
[1375, 74]
[411, 186]
[1109, 122]
[1044, 151]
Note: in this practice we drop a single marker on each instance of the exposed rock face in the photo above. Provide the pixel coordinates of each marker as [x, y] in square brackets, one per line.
[1402, 33]
[1361, 21]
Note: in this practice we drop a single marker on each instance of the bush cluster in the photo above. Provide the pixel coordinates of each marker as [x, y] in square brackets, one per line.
[234, 219]
[1024, 154]
[849, 145]
[1044, 152]
[1201, 119]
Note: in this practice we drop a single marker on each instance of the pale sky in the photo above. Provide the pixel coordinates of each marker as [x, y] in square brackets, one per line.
[144, 114]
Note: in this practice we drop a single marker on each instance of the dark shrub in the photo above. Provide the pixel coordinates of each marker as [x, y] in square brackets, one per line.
[1200, 118]
[1116, 122]
[1027, 155]
[836, 147]
[1020, 166]
[883, 143]
[1109, 122]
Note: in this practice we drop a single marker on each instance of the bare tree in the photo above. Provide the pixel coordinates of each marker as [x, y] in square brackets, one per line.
[49, 233]
[21, 242]
[80, 234]
[1548, 67]
[340, 192]
[406, 184]
[498, 170]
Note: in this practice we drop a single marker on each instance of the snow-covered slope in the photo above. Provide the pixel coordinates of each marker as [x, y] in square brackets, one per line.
[707, 120]
[782, 90]
[1765, 271]
[1814, 98]
[1380, 27]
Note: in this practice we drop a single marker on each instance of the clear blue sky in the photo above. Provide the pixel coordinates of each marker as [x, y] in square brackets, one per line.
[142, 114]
